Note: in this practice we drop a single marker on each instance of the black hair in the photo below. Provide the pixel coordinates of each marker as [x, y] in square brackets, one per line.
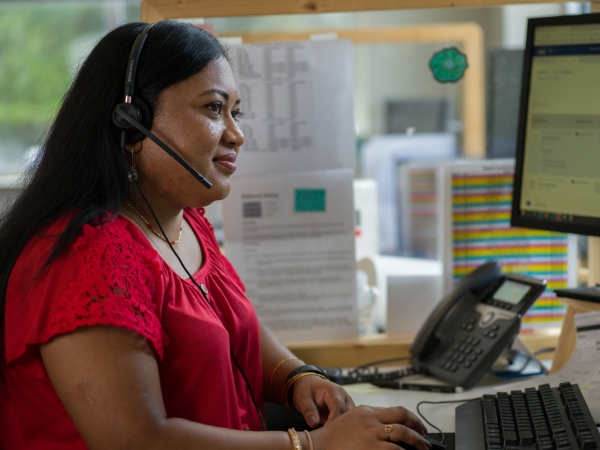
[81, 170]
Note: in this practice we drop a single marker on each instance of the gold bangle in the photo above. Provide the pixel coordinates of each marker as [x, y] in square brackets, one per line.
[279, 365]
[287, 388]
[296, 444]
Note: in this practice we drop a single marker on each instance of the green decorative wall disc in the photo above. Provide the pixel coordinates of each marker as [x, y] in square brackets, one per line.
[448, 65]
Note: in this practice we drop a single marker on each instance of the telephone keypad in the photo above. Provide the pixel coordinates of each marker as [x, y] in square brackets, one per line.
[491, 334]
[467, 348]
[463, 353]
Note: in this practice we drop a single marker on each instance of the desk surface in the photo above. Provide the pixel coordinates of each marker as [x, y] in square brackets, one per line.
[442, 415]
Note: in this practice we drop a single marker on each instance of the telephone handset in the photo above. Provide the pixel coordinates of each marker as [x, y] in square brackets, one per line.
[474, 324]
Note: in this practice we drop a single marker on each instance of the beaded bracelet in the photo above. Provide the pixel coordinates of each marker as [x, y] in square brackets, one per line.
[295, 439]
[287, 390]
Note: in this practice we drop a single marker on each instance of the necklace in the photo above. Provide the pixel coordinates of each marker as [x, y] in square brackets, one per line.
[151, 228]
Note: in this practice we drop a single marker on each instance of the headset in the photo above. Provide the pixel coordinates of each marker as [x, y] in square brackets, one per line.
[133, 116]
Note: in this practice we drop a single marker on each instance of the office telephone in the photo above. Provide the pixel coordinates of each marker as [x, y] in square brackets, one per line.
[474, 324]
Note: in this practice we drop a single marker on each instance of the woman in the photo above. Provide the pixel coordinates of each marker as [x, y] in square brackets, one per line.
[109, 341]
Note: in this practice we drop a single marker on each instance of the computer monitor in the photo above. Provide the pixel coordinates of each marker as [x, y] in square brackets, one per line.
[557, 173]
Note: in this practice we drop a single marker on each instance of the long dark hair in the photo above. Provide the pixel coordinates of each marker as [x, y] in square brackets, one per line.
[81, 169]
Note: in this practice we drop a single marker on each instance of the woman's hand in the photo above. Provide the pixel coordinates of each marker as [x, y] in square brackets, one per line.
[365, 427]
[320, 401]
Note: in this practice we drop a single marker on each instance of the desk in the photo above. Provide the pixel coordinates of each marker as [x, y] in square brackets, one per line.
[370, 348]
[441, 416]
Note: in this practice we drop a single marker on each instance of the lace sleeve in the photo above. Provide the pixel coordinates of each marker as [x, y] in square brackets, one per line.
[115, 285]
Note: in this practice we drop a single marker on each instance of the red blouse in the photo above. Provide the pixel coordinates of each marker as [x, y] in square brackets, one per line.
[111, 275]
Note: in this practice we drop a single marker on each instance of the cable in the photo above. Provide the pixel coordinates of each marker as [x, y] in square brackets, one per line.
[383, 361]
[425, 402]
[357, 376]
[511, 356]
[544, 350]
[262, 419]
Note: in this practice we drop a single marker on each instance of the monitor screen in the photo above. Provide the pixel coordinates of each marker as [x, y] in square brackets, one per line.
[557, 176]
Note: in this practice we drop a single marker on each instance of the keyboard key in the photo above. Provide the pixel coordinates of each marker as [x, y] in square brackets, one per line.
[540, 446]
[526, 437]
[510, 438]
[489, 414]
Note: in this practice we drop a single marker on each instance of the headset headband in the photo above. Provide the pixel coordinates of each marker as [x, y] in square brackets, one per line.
[134, 58]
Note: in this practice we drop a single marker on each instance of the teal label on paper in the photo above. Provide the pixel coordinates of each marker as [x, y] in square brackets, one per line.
[310, 200]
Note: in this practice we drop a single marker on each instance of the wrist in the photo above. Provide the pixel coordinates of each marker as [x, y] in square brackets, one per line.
[306, 368]
[291, 362]
[294, 375]
[275, 387]
[309, 442]
[288, 391]
[300, 440]
[315, 437]
[295, 439]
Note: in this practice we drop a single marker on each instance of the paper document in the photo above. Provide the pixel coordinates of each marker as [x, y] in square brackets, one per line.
[297, 104]
[291, 238]
[480, 194]
[583, 368]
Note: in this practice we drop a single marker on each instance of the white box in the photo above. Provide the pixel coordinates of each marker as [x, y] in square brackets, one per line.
[410, 300]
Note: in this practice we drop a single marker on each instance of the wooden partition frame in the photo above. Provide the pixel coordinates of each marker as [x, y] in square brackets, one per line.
[154, 10]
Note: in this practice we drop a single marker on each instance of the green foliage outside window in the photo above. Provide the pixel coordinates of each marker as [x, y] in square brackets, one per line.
[37, 64]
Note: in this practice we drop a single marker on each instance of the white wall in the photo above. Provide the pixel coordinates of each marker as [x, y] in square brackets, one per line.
[514, 21]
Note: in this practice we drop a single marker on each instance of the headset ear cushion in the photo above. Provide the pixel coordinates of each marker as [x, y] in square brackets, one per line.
[146, 119]
[140, 111]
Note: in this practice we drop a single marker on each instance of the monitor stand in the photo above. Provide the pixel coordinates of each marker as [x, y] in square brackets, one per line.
[585, 293]
[590, 293]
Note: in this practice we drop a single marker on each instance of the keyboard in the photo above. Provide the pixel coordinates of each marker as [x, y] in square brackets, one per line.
[535, 419]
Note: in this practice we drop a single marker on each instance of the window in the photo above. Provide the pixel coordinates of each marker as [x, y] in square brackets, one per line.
[41, 46]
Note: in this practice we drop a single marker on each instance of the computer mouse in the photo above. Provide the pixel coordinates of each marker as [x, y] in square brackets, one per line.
[435, 445]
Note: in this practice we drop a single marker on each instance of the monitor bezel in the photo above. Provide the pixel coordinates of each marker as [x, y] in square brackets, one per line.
[516, 220]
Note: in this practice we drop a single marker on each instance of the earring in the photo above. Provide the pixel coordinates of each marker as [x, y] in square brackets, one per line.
[132, 175]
